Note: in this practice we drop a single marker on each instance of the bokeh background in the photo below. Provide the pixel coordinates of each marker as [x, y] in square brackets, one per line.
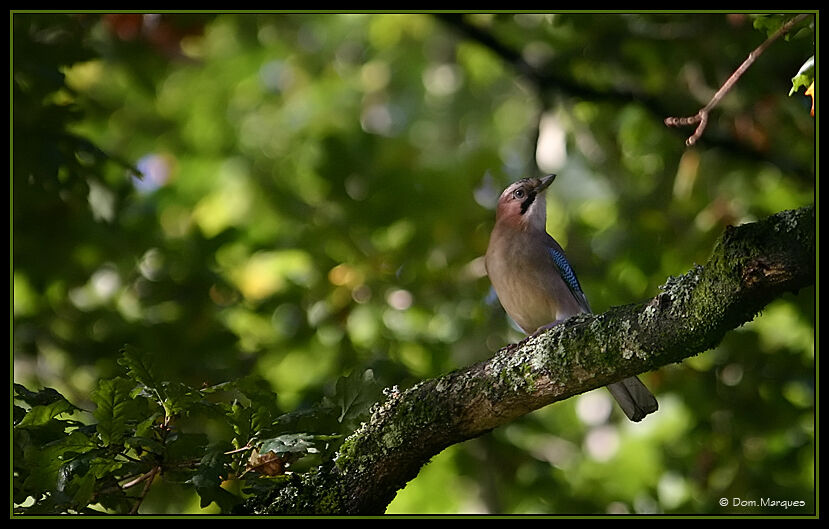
[316, 196]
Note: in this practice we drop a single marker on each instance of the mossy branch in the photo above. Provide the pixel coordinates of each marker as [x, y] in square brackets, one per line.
[751, 265]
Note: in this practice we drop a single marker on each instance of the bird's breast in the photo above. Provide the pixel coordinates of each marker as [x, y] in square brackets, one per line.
[526, 281]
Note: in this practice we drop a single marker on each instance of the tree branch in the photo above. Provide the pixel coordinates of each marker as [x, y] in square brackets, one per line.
[751, 265]
[549, 80]
[701, 117]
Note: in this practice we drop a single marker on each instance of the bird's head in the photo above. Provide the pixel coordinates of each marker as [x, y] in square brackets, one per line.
[522, 205]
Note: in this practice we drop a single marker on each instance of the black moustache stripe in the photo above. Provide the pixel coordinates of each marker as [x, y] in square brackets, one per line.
[527, 202]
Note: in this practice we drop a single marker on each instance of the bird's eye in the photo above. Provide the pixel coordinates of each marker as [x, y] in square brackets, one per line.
[518, 193]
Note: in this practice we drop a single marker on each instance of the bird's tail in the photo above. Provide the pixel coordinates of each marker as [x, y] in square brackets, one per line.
[634, 398]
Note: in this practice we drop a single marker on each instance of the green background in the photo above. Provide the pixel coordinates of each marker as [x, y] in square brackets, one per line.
[318, 192]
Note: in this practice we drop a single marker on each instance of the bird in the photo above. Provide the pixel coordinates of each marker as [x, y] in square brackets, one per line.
[536, 284]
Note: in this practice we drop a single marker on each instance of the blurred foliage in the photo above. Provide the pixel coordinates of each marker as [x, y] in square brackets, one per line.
[302, 198]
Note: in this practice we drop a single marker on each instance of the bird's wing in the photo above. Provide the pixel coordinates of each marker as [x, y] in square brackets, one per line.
[567, 273]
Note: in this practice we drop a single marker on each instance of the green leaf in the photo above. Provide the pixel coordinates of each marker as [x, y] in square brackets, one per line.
[40, 466]
[76, 466]
[104, 466]
[297, 443]
[139, 367]
[115, 500]
[145, 444]
[18, 412]
[145, 427]
[354, 394]
[258, 390]
[805, 76]
[770, 23]
[239, 417]
[207, 479]
[40, 415]
[83, 488]
[261, 420]
[183, 448]
[77, 443]
[178, 398]
[175, 397]
[320, 418]
[115, 409]
[46, 404]
[78, 476]
[37, 398]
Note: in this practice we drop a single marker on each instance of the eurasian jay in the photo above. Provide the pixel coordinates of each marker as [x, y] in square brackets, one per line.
[534, 281]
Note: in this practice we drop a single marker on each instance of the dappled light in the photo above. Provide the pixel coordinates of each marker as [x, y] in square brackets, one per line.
[299, 198]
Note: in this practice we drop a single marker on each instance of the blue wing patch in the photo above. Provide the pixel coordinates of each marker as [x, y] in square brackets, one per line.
[569, 276]
[565, 269]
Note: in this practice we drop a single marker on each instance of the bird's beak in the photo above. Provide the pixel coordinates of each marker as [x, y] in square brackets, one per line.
[544, 182]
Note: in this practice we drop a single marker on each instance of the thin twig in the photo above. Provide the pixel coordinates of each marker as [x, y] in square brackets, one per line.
[550, 80]
[243, 449]
[701, 117]
[146, 476]
[148, 480]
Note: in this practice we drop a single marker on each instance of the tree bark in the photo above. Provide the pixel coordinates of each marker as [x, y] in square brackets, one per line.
[750, 266]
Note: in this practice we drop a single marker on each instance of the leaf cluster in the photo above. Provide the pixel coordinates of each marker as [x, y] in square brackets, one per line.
[144, 429]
